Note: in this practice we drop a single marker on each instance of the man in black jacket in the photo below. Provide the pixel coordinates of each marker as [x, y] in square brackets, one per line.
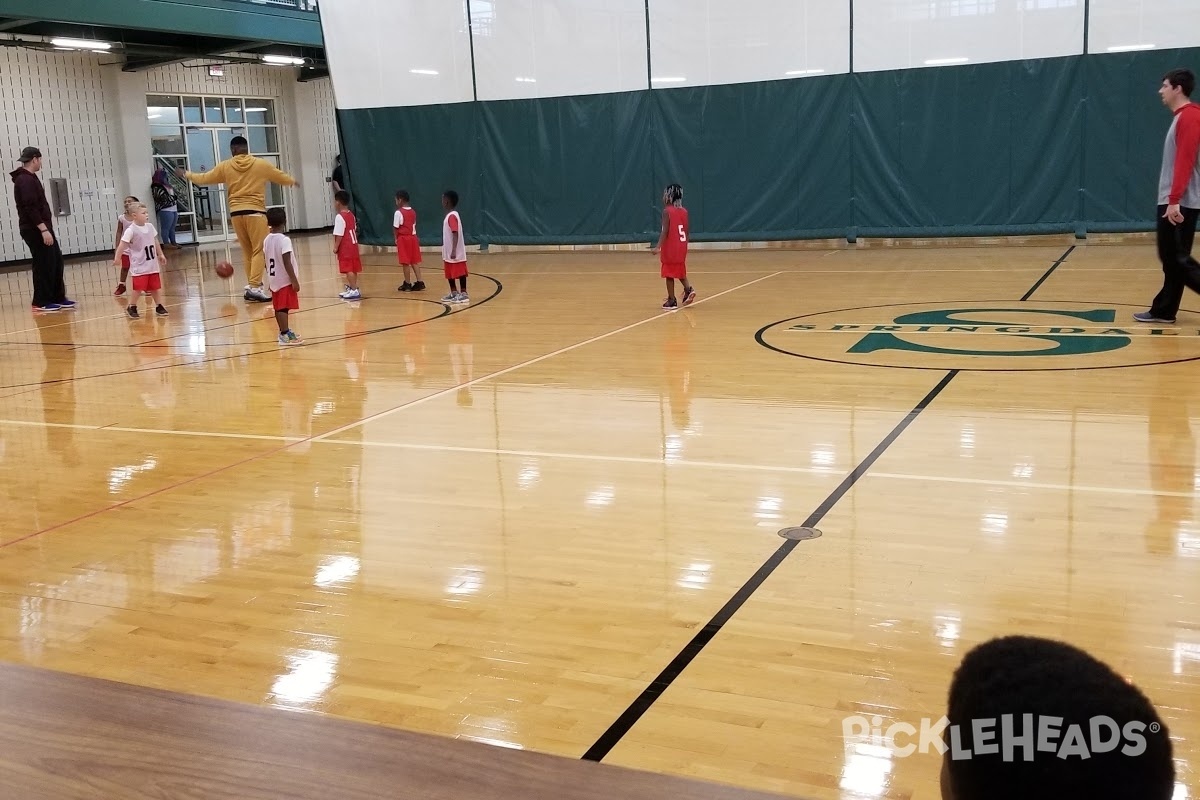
[36, 225]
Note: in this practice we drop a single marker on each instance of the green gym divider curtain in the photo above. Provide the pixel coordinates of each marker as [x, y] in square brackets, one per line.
[1042, 146]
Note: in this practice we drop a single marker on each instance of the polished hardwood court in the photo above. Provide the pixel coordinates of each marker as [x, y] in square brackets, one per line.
[98, 739]
[502, 522]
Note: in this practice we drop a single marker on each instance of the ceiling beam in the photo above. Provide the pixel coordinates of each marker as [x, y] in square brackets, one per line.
[133, 64]
[312, 73]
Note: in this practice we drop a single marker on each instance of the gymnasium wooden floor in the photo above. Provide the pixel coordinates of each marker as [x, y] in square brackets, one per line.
[504, 522]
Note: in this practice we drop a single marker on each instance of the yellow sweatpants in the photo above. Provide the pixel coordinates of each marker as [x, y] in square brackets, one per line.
[252, 230]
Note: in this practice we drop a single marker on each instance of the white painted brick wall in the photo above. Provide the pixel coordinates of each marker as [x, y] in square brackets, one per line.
[63, 103]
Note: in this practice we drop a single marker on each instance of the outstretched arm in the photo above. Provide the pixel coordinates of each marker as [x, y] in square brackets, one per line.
[276, 175]
[211, 178]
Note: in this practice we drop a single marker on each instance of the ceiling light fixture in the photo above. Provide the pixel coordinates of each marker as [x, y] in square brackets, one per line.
[81, 44]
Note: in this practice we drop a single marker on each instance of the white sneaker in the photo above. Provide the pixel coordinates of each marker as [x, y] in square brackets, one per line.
[351, 294]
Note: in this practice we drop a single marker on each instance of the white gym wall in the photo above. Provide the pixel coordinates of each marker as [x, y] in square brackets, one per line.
[709, 42]
[90, 122]
[388, 53]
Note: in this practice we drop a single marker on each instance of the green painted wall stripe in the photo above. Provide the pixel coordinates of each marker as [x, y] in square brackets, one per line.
[243, 21]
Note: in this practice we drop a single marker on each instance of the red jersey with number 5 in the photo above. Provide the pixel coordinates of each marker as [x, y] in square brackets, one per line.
[675, 246]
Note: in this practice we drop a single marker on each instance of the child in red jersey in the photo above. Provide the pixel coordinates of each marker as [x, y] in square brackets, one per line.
[673, 246]
[345, 245]
[408, 248]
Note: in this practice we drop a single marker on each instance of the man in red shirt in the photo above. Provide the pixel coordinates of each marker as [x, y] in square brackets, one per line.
[1178, 198]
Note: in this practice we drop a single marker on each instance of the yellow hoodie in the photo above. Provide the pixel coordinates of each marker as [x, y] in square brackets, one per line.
[246, 178]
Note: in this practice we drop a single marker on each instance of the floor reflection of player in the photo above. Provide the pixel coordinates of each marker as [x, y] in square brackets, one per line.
[678, 367]
[415, 358]
[57, 392]
[296, 403]
[354, 346]
[350, 395]
[462, 356]
[157, 385]
[1172, 453]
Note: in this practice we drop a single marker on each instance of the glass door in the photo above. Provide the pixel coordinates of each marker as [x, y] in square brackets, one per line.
[193, 132]
[206, 147]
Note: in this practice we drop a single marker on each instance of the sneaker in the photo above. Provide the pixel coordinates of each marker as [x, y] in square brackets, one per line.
[351, 294]
[689, 297]
[120, 290]
[292, 337]
[463, 298]
[451, 298]
[419, 286]
[161, 310]
[405, 287]
[1146, 316]
[257, 295]
[48, 307]
[670, 304]
[67, 305]
[132, 312]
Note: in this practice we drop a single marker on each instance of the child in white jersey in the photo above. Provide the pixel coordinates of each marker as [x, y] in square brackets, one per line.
[123, 222]
[454, 249]
[140, 243]
[282, 273]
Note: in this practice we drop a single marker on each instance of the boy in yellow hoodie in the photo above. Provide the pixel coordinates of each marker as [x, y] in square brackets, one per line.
[246, 177]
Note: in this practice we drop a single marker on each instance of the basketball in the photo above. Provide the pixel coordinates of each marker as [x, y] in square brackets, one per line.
[224, 269]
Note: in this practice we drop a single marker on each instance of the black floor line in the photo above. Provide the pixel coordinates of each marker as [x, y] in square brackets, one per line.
[1048, 273]
[678, 664]
[642, 703]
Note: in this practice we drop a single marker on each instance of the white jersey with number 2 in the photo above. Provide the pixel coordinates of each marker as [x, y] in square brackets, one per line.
[274, 246]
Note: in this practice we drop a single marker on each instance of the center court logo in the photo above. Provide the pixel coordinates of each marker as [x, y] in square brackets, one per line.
[982, 336]
[1011, 737]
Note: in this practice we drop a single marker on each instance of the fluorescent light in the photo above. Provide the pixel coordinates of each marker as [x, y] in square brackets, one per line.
[804, 72]
[941, 62]
[253, 110]
[668, 80]
[283, 61]
[1127, 48]
[423, 71]
[526, 80]
[81, 44]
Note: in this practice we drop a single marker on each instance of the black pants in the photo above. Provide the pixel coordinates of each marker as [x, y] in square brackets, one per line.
[1179, 268]
[48, 286]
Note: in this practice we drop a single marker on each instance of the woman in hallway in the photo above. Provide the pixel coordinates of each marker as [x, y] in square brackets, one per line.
[167, 206]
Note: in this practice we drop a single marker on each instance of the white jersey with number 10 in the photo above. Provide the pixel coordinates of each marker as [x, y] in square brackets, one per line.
[143, 249]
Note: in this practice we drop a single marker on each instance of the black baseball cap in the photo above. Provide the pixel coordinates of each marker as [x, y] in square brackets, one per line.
[29, 154]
